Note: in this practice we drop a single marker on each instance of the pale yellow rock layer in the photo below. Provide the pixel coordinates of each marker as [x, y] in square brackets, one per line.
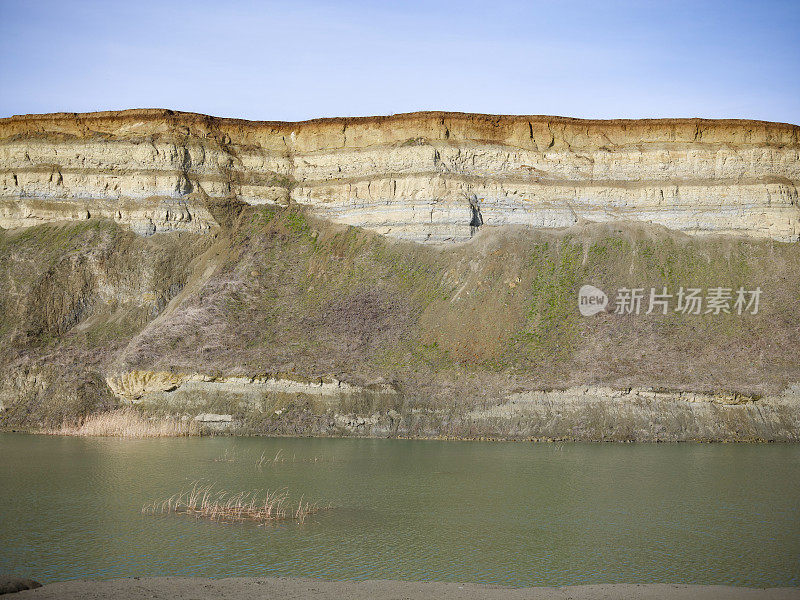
[133, 385]
[420, 176]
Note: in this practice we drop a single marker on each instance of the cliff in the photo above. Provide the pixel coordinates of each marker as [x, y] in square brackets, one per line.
[209, 269]
[431, 177]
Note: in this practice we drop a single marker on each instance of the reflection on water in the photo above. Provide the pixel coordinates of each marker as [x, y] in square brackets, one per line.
[504, 513]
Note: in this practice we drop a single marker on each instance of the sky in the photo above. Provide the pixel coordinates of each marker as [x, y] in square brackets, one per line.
[300, 59]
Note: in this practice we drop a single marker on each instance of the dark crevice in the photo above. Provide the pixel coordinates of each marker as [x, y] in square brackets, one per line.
[476, 219]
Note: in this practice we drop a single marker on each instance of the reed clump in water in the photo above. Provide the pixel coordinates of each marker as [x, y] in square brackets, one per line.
[280, 458]
[262, 507]
[265, 460]
[227, 456]
[127, 423]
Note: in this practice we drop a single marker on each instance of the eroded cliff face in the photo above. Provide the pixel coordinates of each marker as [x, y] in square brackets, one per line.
[208, 269]
[426, 177]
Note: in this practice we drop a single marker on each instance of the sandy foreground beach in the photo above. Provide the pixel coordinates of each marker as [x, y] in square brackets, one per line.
[196, 588]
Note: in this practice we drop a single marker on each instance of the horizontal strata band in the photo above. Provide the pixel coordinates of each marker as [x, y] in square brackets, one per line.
[427, 177]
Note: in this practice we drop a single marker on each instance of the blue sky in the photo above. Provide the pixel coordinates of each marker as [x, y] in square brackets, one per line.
[295, 60]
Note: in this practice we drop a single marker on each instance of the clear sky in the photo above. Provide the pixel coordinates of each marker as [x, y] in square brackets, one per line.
[300, 59]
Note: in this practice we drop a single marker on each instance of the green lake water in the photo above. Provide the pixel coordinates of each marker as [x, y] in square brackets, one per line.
[506, 513]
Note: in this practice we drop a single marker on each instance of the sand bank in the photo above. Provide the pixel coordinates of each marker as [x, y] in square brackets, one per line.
[285, 588]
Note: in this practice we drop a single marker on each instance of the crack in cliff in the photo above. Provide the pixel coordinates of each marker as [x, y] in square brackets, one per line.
[476, 219]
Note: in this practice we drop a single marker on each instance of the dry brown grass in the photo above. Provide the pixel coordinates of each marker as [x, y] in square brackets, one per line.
[263, 507]
[126, 423]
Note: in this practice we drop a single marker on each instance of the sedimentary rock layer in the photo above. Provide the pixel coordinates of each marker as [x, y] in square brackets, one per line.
[579, 413]
[423, 176]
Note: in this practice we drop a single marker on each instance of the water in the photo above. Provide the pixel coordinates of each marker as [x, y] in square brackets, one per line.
[503, 513]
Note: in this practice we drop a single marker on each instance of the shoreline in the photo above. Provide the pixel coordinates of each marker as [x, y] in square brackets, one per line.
[573, 415]
[516, 440]
[241, 588]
